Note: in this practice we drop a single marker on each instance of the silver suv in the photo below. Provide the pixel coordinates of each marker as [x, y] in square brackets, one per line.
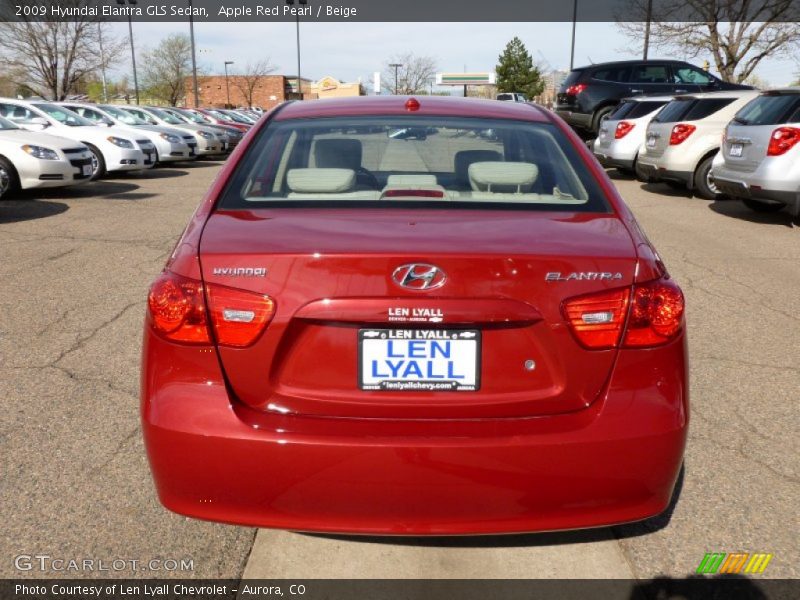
[760, 158]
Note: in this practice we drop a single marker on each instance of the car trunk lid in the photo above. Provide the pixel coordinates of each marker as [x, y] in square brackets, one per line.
[333, 276]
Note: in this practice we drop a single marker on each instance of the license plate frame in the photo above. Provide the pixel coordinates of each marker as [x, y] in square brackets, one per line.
[456, 353]
[736, 150]
[651, 141]
[86, 170]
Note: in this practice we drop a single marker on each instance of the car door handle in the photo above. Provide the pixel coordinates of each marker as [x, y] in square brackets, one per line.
[681, 91]
[637, 91]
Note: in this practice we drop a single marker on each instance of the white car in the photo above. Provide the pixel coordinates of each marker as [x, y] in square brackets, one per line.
[209, 142]
[112, 149]
[760, 159]
[623, 133]
[30, 160]
[684, 137]
[171, 145]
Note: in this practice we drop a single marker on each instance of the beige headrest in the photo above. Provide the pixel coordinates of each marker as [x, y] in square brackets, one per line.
[321, 181]
[502, 176]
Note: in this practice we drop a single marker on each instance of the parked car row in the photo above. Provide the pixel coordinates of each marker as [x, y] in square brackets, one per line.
[739, 143]
[53, 144]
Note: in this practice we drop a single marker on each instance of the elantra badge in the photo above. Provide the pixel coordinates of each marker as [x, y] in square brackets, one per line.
[419, 276]
[588, 276]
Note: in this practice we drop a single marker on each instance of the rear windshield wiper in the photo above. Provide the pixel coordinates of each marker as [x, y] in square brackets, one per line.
[741, 121]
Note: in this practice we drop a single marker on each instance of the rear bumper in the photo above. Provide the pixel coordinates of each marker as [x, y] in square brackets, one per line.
[613, 162]
[751, 185]
[616, 461]
[575, 119]
[656, 173]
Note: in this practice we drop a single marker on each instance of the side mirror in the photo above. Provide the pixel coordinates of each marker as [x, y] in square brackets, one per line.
[38, 123]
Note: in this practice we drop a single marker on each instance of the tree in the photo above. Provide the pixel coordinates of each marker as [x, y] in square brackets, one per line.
[52, 58]
[254, 74]
[166, 68]
[516, 71]
[737, 34]
[414, 76]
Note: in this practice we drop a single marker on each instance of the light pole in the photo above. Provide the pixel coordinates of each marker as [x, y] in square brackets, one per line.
[297, 14]
[194, 59]
[647, 28]
[227, 88]
[396, 67]
[133, 52]
[574, 25]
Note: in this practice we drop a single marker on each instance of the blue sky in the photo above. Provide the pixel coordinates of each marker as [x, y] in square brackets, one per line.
[351, 50]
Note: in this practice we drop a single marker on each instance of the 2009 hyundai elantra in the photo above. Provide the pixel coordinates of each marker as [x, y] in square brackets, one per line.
[393, 315]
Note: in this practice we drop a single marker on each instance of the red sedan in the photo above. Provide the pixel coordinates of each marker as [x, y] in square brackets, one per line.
[414, 316]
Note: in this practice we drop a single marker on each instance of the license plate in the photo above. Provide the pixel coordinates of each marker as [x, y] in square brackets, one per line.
[736, 150]
[651, 142]
[87, 170]
[413, 360]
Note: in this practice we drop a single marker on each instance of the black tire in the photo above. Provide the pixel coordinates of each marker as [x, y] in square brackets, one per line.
[98, 162]
[638, 172]
[600, 116]
[703, 186]
[762, 207]
[9, 180]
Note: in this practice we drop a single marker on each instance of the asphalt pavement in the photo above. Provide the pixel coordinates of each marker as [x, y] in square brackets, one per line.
[75, 484]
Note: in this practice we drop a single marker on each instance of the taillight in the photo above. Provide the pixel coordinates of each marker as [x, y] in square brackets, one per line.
[656, 316]
[597, 319]
[239, 317]
[574, 90]
[623, 129]
[680, 132]
[177, 311]
[783, 140]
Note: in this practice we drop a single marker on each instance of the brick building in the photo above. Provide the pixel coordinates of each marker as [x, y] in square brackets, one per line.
[269, 91]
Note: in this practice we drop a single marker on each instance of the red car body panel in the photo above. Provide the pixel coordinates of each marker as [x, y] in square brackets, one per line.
[592, 438]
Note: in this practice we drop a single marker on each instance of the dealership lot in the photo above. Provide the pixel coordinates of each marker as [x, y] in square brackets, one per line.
[77, 263]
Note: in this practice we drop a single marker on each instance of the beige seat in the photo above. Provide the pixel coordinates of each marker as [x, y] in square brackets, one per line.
[502, 177]
[338, 154]
[465, 158]
[411, 181]
[326, 184]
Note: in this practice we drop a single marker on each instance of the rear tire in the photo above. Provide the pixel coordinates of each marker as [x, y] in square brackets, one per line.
[98, 162]
[703, 185]
[762, 207]
[638, 172]
[600, 116]
[9, 180]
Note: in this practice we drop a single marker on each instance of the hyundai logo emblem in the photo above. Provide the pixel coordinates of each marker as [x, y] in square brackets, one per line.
[419, 276]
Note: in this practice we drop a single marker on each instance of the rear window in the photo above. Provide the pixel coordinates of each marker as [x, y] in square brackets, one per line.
[674, 111]
[633, 109]
[389, 161]
[642, 109]
[771, 110]
[622, 111]
[706, 107]
[572, 78]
